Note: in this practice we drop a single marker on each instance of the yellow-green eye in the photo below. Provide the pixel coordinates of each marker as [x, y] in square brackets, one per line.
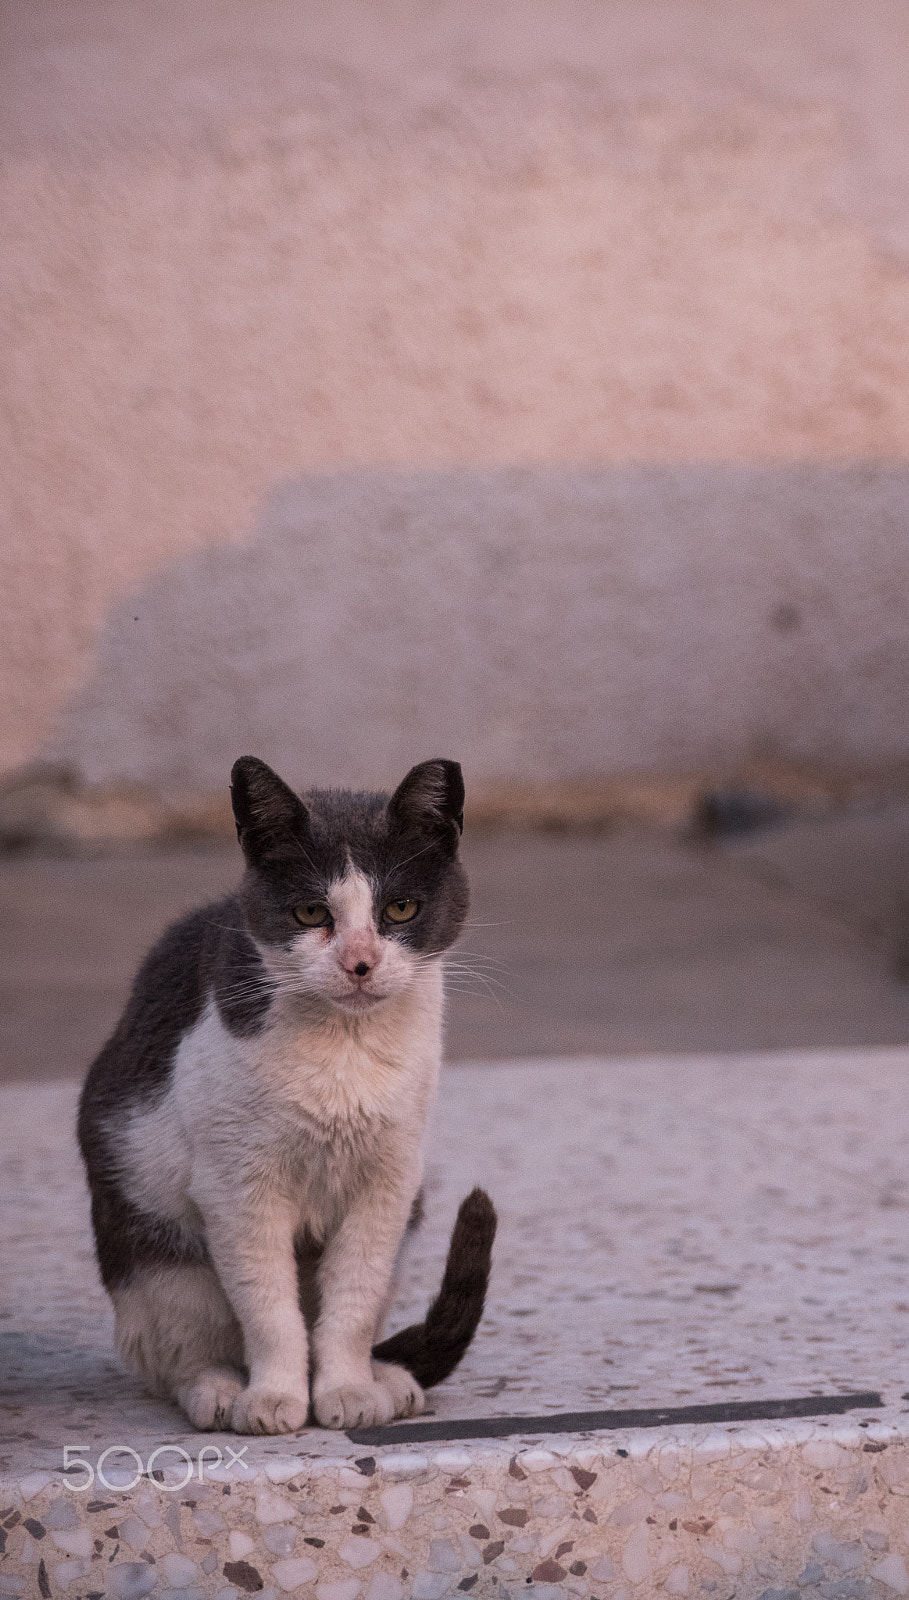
[313, 915]
[401, 910]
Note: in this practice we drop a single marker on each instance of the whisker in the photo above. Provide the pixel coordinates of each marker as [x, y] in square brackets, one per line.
[472, 958]
[465, 970]
[508, 923]
[473, 965]
[246, 987]
[407, 860]
[469, 979]
[306, 856]
[486, 993]
[476, 965]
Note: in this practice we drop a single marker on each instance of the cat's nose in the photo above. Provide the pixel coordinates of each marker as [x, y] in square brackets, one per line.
[358, 952]
[358, 964]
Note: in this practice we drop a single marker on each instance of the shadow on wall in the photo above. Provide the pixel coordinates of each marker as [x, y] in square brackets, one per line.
[534, 623]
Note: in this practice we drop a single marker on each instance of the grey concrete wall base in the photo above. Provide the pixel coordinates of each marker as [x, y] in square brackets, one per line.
[534, 624]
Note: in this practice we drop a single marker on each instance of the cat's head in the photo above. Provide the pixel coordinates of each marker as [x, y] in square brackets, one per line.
[348, 896]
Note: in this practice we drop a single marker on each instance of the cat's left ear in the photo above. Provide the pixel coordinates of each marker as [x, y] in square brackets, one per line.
[431, 798]
[269, 816]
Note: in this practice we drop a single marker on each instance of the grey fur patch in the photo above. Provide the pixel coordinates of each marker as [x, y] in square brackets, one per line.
[134, 1068]
[242, 991]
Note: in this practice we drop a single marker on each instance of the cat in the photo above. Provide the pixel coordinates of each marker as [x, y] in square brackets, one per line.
[252, 1132]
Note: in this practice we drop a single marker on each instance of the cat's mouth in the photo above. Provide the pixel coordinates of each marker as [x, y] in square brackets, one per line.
[358, 1000]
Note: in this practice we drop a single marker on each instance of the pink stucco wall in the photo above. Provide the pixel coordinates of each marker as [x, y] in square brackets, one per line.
[248, 247]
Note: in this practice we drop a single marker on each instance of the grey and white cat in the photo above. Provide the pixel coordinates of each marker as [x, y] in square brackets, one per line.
[253, 1130]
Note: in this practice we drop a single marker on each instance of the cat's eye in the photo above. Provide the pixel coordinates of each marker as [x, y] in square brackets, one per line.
[312, 915]
[401, 910]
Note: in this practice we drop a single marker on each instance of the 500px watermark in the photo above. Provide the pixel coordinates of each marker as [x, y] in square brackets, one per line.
[80, 1474]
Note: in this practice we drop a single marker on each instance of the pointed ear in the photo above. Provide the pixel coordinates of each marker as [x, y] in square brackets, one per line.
[268, 814]
[431, 798]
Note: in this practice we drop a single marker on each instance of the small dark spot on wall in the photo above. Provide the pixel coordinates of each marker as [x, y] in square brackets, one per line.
[786, 618]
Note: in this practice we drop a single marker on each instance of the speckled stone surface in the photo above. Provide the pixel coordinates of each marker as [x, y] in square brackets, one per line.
[672, 1231]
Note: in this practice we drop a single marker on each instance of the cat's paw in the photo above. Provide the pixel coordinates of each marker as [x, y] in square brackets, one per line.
[407, 1396]
[209, 1400]
[353, 1405]
[260, 1409]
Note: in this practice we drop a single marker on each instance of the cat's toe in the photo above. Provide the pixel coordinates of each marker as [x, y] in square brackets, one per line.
[407, 1396]
[360, 1405]
[209, 1400]
[260, 1410]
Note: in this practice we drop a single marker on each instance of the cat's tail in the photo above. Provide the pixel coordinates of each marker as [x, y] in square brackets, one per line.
[430, 1350]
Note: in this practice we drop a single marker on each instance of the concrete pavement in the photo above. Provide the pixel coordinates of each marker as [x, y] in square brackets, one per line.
[628, 942]
[673, 1232]
[683, 1223]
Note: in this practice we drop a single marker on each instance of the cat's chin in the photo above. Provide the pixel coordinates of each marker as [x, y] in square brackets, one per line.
[358, 1003]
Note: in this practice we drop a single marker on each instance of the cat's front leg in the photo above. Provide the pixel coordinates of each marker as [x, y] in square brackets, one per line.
[251, 1240]
[351, 1390]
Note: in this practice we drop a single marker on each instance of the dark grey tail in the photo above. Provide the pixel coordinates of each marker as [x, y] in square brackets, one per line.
[432, 1349]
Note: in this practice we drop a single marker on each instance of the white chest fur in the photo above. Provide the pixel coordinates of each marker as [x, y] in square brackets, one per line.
[307, 1106]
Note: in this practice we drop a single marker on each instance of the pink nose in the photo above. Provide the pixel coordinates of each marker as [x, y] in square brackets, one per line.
[358, 956]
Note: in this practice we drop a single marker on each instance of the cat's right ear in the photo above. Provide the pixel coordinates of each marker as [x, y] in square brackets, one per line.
[269, 816]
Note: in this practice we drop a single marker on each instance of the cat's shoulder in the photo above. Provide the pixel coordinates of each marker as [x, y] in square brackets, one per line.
[175, 974]
[167, 999]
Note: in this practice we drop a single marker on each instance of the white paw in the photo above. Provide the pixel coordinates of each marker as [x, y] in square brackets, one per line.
[407, 1396]
[260, 1409]
[353, 1405]
[209, 1400]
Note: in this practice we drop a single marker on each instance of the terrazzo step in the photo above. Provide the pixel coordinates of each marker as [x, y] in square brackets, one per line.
[683, 1243]
[810, 1508]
